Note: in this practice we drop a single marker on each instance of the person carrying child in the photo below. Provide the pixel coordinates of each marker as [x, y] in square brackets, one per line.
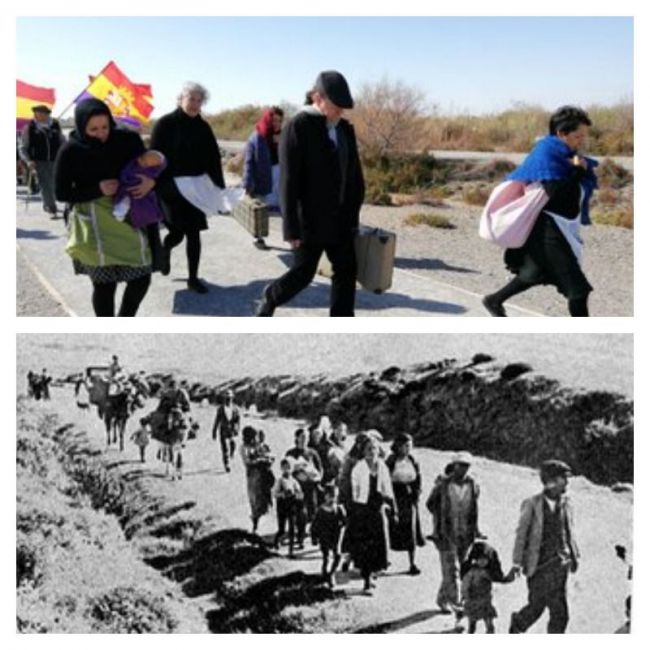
[326, 531]
[143, 212]
[479, 570]
[288, 500]
[141, 437]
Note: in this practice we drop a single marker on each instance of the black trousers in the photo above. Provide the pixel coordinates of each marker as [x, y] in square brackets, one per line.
[286, 511]
[305, 264]
[227, 449]
[546, 588]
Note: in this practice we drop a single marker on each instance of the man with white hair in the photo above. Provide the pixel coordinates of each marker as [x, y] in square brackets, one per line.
[191, 149]
[453, 502]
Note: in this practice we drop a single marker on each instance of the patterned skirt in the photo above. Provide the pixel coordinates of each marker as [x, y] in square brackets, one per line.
[106, 274]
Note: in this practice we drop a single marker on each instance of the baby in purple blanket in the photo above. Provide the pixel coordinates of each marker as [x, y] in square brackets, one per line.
[144, 212]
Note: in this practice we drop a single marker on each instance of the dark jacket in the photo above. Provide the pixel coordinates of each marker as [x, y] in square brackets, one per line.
[227, 428]
[41, 144]
[310, 181]
[83, 162]
[191, 149]
[258, 177]
[439, 505]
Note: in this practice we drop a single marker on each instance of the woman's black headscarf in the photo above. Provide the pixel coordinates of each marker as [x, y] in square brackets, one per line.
[83, 111]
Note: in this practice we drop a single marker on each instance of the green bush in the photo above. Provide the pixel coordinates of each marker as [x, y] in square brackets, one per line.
[622, 217]
[476, 195]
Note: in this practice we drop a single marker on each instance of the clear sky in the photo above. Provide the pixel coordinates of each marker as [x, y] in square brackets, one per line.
[474, 64]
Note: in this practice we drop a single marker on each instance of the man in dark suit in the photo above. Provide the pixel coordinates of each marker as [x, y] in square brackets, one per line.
[546, 550]
[227, 422]
[321, 193]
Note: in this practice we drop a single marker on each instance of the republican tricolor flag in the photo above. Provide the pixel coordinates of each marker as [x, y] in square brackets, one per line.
[129, 102]
[28, 96]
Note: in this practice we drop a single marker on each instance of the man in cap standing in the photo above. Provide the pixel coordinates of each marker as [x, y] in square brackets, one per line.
[321, 193]
[545, 550]
[227, 422]
[41, 139]
[453, 502]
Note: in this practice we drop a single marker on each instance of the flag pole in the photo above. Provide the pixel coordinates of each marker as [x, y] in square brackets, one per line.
[74, 101]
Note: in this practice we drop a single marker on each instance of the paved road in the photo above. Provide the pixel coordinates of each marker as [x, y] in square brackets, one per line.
[235, 271]
[235, 146]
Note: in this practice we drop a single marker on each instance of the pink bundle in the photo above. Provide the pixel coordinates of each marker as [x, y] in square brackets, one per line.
[510, 213]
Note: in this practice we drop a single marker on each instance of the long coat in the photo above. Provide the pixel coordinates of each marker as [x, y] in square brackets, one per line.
[258, 175]
[191, 149]
[528, 539]
[311, 167]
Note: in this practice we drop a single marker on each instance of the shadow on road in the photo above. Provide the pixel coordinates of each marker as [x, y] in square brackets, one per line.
[21, 233]
[429, 264]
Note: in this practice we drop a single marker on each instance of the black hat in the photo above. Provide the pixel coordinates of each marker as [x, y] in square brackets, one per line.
[551, 469]
[333, 85]
[41, 108]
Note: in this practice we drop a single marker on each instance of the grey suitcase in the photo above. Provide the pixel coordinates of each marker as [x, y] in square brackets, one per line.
[375, 251]
[252, 214]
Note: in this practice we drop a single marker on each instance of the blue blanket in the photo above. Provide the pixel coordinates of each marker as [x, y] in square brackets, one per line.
[550, 160]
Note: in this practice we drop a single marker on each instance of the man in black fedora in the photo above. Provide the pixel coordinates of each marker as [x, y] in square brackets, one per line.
[41, 140]
[321, 193]
[546, 551]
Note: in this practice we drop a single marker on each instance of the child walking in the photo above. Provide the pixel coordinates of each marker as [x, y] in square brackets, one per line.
[288, 498]
[480, 569]
[141, 437]
[326, 531]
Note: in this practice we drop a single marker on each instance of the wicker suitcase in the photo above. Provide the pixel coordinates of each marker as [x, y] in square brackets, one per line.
[375, 250]
[253, 215]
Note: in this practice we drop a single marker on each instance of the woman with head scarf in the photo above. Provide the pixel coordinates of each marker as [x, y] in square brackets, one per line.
[190, 147]
[552, 253]
[86, 174]
[261, 161]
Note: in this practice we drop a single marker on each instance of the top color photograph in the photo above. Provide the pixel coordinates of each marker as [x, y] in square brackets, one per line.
[339, 166]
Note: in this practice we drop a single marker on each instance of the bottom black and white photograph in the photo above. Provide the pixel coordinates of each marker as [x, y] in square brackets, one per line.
[324, 483]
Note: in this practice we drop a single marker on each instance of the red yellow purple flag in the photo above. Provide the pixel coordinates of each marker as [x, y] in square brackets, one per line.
[28, 96]
[129, 102]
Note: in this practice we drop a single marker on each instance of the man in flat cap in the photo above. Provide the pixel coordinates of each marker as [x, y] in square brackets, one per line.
[41, 139]
[453, 502]
[321, 193]
[546, 551]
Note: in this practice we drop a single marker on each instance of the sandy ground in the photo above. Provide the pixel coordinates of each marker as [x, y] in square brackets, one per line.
[402, 603]
[458, 256]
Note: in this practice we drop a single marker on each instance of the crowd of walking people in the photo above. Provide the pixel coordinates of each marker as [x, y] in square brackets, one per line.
[119, 194]
[359, 504]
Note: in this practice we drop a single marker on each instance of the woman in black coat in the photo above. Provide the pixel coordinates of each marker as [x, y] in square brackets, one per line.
[191, 149]
[553, 251]
[86, 175]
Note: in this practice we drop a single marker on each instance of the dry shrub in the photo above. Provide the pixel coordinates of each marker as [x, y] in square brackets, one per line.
[400, 200]
[612, 175]
[607, 196]
[389, 117]
[621, 217]
[476, 195]
[235, 164]
[431, 219]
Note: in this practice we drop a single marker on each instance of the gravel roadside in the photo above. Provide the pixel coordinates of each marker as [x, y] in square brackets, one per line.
[459, 257]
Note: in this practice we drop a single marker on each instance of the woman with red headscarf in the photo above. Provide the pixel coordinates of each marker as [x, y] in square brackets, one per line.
[261, 163]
